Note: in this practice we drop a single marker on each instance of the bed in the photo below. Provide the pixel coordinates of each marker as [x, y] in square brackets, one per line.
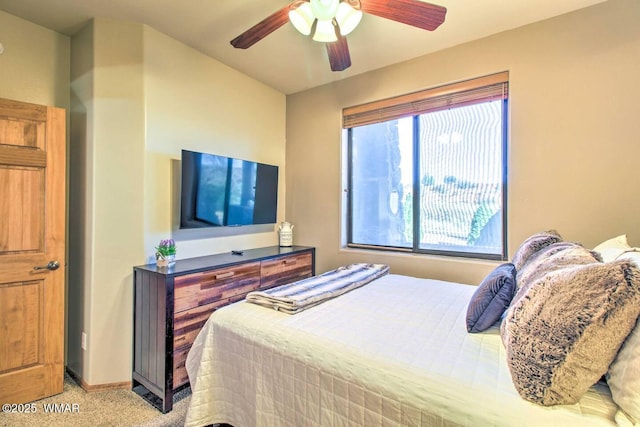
[393, 352]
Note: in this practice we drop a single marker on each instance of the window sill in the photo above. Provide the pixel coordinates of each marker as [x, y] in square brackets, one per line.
[405, 255]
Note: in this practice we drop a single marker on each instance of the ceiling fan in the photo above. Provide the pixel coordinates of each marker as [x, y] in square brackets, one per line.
[330, 21]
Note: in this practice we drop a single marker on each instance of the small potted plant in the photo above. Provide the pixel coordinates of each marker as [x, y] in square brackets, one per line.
[166, 253]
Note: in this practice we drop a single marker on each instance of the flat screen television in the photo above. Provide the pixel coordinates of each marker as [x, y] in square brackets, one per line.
[220, 191]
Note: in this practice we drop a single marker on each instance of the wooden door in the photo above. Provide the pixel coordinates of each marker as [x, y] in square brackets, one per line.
[32, 237]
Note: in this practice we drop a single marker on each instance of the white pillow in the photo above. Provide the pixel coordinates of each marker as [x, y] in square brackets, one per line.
[613, 248]
[623, 376]
[632, 254]
[622, 420]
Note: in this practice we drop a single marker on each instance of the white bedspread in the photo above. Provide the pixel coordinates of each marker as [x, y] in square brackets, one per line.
[394, 352]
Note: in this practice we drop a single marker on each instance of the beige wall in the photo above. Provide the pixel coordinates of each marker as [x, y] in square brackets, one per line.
[107, 202]
[139, 97]
[35, 64]
[80, 192]
[573, 143]
[193, 102]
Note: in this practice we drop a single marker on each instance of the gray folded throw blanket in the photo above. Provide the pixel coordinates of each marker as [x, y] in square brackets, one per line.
[303, 294]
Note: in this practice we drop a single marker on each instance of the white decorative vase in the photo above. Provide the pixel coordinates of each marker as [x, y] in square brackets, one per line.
[285, 231]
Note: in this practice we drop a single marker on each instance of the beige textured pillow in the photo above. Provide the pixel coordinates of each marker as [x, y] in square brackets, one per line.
[532, 245]
[549, 259]
[564, 332]
[552, 257]
[545, 261]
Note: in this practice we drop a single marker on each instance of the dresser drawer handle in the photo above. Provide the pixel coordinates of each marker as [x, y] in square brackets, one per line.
[225, 275]
[290, 261]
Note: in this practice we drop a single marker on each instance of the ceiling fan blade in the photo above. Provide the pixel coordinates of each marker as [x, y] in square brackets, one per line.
[411, 12]
[265, 27]
[339, 57]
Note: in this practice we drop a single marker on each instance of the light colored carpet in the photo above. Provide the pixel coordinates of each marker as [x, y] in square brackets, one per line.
[98, 409]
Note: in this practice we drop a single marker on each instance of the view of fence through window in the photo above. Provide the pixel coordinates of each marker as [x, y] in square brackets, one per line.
[459, 181]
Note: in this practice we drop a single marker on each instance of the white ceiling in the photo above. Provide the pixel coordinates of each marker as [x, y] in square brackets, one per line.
[286, 60]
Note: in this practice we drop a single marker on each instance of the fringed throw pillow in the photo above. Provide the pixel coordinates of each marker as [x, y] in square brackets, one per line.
[532, 245]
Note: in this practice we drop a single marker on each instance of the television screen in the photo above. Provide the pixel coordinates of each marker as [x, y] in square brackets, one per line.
[221, 191]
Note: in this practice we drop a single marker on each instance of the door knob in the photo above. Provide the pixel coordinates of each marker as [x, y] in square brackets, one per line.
[53, 265]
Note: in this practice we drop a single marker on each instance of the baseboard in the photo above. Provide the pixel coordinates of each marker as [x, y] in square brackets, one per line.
[97, 387]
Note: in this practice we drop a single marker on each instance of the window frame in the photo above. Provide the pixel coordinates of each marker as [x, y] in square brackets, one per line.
[458, 94]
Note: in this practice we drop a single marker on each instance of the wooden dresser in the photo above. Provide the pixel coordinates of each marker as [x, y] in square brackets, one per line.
[172, 304]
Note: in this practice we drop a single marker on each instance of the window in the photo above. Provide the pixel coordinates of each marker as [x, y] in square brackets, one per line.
[426, 172]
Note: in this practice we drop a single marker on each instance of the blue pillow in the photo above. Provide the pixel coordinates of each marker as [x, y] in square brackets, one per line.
[492, 298]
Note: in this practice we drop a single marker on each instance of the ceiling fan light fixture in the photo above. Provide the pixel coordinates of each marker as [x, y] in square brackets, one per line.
[329, 21]
[324, 10]
[325, 31]
[323, 17]
[347, 17]
[302, 18]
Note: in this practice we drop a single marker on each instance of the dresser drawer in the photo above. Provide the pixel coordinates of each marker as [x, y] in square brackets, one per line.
[188, 323]
[193, 290]
[180, 376]
[285, 269]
